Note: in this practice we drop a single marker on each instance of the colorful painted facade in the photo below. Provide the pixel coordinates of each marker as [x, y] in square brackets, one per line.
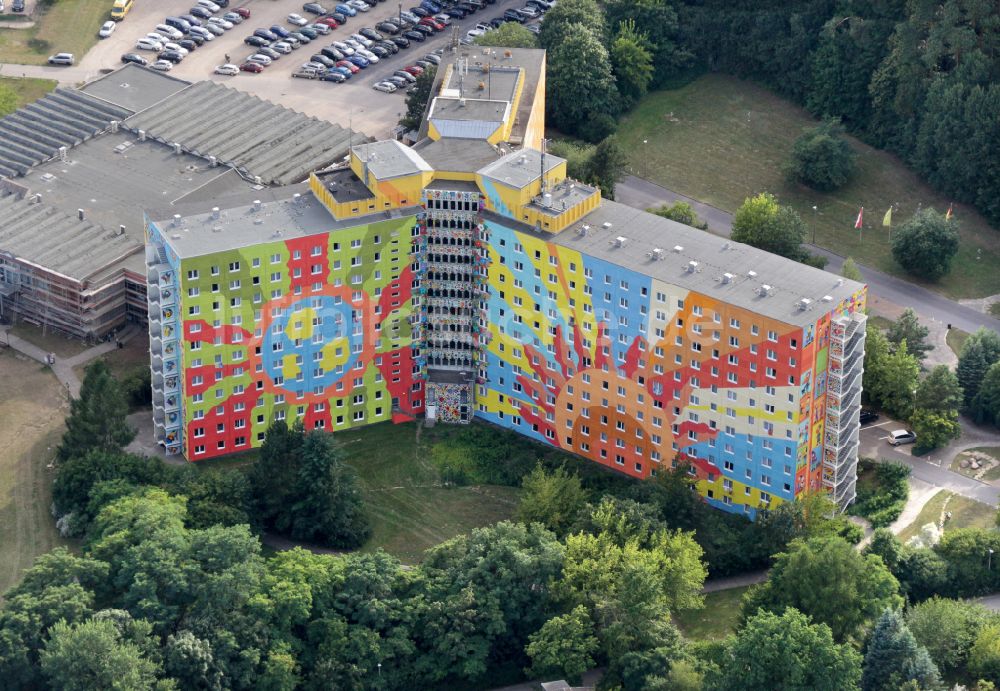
[499, 288]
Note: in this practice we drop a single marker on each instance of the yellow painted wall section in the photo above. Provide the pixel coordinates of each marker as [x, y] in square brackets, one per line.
[503, 134]
[535, 128]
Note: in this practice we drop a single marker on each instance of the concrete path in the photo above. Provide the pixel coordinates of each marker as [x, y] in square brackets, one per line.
[63, 367]
[920, 494]
[888, 295]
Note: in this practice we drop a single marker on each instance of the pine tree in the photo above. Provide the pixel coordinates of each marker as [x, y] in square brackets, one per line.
[908, 328]
[97, 418]
[894, 658]
[985, 407]
[978, 354]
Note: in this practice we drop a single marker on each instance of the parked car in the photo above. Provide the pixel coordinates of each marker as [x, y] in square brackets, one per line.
[327, 21]
[300, 37]
[339, 16]
[475, 33]
[349, 66]
[388, 45]
[169, 31]
[195, 21]
[306, 74]
[343, 47]
[243, 12]
[208, 5]
[313, 8]
[260, 59]
[321, 29]
[199, 12]
[387, 87]
[415, 70]
[415, 36]
[431, 22]
[431, 57]
[540, 5]
[361, 39]
[358, 60]
[424, 65]
[529, 12]
[409, 17]
[324, 60]
[280, 47]
[513, 15]
[313, 65]
[309, 31]
[203, 32]
[359, 5]
[280, 31]
[256, 41]
[442, 19]
[220, 22]
[253, 67]
[17, 6]
[293, 41]
[234, 17]
[269, 51]
[343, 70]
[134, 57]
[388, 27]
[399, 82]
[371, 34]
[146, 43]
[187, 44]
[176, 47]
[333, 76]
[266, 34]
[296, 19]
[211, 28]
[867, 416]
[171, 55]
[331, 53]
[62, 59]
[400, 41]
[902, 436]
[162, 66]
[227, 69]
[178, 23]
[107, 28]
[380, 51]
[405, 76]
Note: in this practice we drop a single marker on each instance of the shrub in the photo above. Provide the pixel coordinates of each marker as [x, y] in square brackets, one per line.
[682, 212]
[926, 244]
[882, 491]
[822, 158]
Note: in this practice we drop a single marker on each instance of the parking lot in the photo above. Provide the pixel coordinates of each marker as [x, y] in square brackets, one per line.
[354, 103]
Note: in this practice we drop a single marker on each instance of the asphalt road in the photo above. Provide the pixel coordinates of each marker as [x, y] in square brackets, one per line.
[887, 294]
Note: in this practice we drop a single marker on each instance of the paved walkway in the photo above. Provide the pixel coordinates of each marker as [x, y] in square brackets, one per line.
[920, 493]
[887, 295]
[63, 367]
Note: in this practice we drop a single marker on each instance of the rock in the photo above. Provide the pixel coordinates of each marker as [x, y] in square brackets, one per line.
[964, 463]
[975, 465]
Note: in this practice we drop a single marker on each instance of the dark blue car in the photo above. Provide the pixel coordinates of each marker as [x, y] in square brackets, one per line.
[280, 31]
[358, 60]
[433, 7]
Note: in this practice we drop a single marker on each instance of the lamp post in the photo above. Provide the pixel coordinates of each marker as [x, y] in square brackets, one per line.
[815, 216]
[989, 560]
[645, 159]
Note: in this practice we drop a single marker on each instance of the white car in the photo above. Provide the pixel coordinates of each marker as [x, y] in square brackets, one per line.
[359, 5]
[146, 43]
[313, 67]
[363, 40]
[208, 5]
[203, 32]
[260, 59]
[213, 28]
[107, 28]
[219, 21]
[162, 65]
[297, 19]
[475, 33]
[369, 56]
[321, 29]
[387, 87]
[169, 32]
[228, 69]
[281, 47]
[174, 46]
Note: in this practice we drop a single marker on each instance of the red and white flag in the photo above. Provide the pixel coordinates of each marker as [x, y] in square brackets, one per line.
[861, 219]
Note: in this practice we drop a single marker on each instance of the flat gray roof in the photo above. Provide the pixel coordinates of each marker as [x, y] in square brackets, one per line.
[455, 185]
[257, 137]
[459, 155]
[344, 185]
[467, 108]
[521, 167]
[62, 118]
[390, 159]
[135, 87]
[565, 195]
[790, 281]
[43, 235]
[498, 77]
[282, 216]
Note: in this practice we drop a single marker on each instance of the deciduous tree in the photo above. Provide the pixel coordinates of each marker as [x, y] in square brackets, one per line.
[91, 655]
[925, 244]
[821, 158]
[632, 61]
[850, 270]
[564, 647]
[509, 35]
[552, 499]
[909, 329]
[762, 222]
[581, 87]
[947, 629]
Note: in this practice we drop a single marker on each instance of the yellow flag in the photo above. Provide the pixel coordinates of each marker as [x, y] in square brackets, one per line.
[948, 215]
[887, 221]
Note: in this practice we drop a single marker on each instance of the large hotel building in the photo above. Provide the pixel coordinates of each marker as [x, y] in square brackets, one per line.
[469, 277]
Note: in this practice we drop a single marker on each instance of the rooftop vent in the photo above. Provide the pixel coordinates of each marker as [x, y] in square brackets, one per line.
[296, 197]
[177, 148]
[215, 212]
[213, 161]
[62, 153]
[726, 246]
[657, 254]
[257, 180]
[752, 274]
[114, 126]
[583, 230]
[217, 229]
[827, 298]
[177, 220]
[619, 241]
[764, 290]
[606, 225]
[840, 282]
[36, 199]
[142, 135]
[80, 214]
[257, 206]
[121, 230]
[727, 278]
[804, 303]
[692, 266]
[678, 249]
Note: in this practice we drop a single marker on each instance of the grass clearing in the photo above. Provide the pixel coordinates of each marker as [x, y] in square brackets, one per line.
[881, 322]
[48, 340]
[28, 90]
[124, 361]
[68, 26]
[955, 338]
[965, 513]
[990, 475]
[32, 407]
[719, 139]
[716, 620]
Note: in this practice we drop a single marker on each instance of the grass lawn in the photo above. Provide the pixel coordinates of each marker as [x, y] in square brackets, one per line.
[991, 474]
[955, 339]
[69, 26]
[965, 513]
[32, 407]
[720, 140]
[716, 620]
[995, 309]
[880, 322]
[123, 362]
[28, 90]
[49, 340]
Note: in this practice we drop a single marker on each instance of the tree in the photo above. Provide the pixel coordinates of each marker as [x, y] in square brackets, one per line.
[416, 100]
[552, 499]
[607, 166]
[894, 658]
[560, 22]
[632, 61]
[984, 658]
[679, 211]
[985, 407]
[947, 629]
[92, 655]
[8, 101]
[979, 352]
[968, 552]
[826, 579]
[891, 377]
[850, 271]
[581, 88]
[908, 328]
[934, 428]
[787, 651]
[661, 33]
[97, 418]
[939, 391]
[822, 158]
[925, 244]
[509, 35]
[762, 222]
[887, 546]
[563, 647]
[328, 507]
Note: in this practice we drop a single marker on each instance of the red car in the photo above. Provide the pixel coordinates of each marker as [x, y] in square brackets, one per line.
[329, 21]
[253, 67]
[432, 23]
[415, 70]
[349, 65]
[243, 12]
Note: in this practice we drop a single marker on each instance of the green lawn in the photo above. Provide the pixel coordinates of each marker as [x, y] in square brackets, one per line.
[69, 26]
[49, 340]
[720, 140]
[965, 513]
[956, 339]
[27, 90]
[716, 620]
[32, 407]
[880, 322]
